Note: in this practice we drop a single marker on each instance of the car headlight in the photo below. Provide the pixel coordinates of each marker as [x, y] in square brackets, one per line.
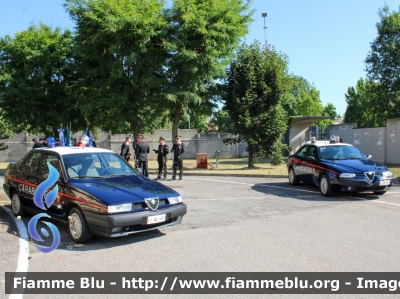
[347, 175]
[387, 174]
[126, 207]
[175, 199]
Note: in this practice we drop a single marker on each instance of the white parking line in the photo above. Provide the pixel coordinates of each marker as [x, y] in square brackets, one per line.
[269, 186]
[197, 179]
[23, 261]
[230, 198]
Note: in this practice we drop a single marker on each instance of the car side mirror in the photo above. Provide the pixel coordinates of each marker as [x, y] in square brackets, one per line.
[369, 157]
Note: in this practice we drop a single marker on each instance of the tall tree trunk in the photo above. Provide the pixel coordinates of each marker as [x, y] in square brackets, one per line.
[135, 129]
[250, 162]
[134, 124]
[177, 118]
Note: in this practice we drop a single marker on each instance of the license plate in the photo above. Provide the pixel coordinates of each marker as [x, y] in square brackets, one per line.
[156, 219]
[384, 183]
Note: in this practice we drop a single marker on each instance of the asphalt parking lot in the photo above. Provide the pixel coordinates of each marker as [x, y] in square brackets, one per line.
[236, 224]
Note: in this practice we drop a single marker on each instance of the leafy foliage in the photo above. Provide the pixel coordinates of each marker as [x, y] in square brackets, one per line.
[303, 100]
[120, 60]
[256, 84]
[382, 62]
[203, 35]
[36, 79]
[221, 122]
[367, 104]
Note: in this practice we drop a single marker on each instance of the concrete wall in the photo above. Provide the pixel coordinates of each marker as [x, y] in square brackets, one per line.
[371, 141]
[20, 144]
[299, 131]
[382, 143]
[393, 141]
[344, 131]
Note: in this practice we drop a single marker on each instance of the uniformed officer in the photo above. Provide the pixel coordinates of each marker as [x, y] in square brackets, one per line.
[162, 153]
[36, 143]
[142, 153]
[125, 151]
[178, 149]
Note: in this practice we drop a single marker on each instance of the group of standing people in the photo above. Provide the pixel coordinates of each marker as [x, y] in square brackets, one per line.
[141, 150]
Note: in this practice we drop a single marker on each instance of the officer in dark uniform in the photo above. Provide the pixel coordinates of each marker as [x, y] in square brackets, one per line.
[178, 149]
[162, 153]
[142, 154]
[36, 144]
[134, 145]
[45, 141]
[125, 151]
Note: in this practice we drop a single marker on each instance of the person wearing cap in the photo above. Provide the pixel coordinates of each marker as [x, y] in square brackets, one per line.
[125, 151]
[142, 154]
[162, 152]
[178, 149]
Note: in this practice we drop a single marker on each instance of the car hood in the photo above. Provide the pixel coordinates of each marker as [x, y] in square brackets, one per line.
[357, 166]
[122, 189]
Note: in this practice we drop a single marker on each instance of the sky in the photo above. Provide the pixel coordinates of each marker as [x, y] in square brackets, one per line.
[326, 41]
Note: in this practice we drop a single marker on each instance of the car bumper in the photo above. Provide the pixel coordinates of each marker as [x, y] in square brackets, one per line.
[6, 189]
[353, 185]
[116, 225]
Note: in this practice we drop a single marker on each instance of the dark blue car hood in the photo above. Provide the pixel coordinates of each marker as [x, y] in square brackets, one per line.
[356, 166]
[122, 189]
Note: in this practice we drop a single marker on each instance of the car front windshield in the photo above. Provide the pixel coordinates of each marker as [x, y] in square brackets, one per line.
[96, 165]
[340, 152]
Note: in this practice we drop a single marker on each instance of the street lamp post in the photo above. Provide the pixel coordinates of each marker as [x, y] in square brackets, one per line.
[264, 15]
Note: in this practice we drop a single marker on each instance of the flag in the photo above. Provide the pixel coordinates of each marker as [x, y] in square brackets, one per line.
[86, 132]
[67, 138]
[61, 136]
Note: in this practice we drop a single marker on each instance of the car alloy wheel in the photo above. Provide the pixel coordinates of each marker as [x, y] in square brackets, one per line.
[16, 205]
[78, 227]
[292, 178]
[325, 186]
[75, 225]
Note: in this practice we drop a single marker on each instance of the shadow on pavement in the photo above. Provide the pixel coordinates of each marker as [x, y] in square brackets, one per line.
[66, 243]
[308, 192]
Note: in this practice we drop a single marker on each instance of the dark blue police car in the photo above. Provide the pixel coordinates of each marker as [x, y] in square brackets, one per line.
[334, 167]
[98, 192]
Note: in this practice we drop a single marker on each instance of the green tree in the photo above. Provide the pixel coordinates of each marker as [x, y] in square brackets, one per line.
[121, 62]
[221, 122]
[383, 63]
[303, 99]
[203, 35]
[330, 110]
[36, 79]
[5, 131]
[256, 84]
[367, 104]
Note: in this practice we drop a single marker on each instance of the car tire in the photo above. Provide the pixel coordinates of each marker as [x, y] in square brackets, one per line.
[77, 226]
[325, 186]
[379, 192]
[16, 205]
[292, 177]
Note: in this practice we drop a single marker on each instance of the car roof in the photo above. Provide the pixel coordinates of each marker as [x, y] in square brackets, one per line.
[67, 150]
[326, 143]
